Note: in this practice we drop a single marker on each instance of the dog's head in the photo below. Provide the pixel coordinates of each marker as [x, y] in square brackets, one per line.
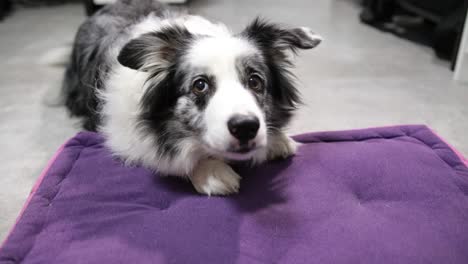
[227, 91]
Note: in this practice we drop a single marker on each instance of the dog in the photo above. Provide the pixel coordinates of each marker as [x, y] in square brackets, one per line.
[184, 96]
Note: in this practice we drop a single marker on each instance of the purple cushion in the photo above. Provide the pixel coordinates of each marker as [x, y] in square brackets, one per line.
[382, 195]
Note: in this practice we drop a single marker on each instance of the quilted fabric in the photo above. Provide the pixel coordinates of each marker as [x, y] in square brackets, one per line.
[382, 195]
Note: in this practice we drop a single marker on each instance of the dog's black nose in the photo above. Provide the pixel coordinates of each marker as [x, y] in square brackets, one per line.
[243, 127]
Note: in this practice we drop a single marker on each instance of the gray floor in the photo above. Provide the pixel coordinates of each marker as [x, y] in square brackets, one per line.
[357, 78]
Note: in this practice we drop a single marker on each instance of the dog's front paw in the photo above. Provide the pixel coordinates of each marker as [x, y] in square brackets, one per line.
[214, 177]
[281, 146]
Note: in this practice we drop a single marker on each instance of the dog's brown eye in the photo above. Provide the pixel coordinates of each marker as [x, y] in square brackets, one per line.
[255, 82]
[200, 86]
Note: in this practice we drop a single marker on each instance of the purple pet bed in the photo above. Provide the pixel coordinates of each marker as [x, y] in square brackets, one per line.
[382, 195]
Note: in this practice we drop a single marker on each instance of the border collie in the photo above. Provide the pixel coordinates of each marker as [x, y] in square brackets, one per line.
[182, 95]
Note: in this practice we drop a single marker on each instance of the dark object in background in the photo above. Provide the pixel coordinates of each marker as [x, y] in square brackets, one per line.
[5, 8]
[434, 23]
[91, 7]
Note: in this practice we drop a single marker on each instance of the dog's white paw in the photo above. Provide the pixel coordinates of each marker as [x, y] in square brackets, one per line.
[281, 146]
[214, 177]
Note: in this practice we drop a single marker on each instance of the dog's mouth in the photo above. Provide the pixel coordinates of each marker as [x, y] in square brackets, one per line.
[243, 150]
[236, 150]
[238, 154]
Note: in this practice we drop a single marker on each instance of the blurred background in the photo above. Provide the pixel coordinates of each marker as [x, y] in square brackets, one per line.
[382, 62]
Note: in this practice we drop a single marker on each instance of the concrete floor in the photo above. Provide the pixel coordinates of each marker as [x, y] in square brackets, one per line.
[357, 78]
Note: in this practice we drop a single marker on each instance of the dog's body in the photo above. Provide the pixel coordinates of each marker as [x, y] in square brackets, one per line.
[182, 95]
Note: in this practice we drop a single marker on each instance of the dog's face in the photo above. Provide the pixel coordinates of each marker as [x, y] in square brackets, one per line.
[225, 91]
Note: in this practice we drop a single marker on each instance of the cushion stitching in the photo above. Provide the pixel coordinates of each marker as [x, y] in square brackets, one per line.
[350, 140]
[455, 167]
[439, 145]
[50, 201]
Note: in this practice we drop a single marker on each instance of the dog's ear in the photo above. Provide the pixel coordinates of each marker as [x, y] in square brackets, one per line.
[269, 35]
[275, 42]
[155, 49]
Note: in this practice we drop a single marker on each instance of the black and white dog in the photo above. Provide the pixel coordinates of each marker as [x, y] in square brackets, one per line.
[182, 95]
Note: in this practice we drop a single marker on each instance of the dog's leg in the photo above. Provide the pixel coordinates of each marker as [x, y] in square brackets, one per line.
[281, 146]
[215, 177]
